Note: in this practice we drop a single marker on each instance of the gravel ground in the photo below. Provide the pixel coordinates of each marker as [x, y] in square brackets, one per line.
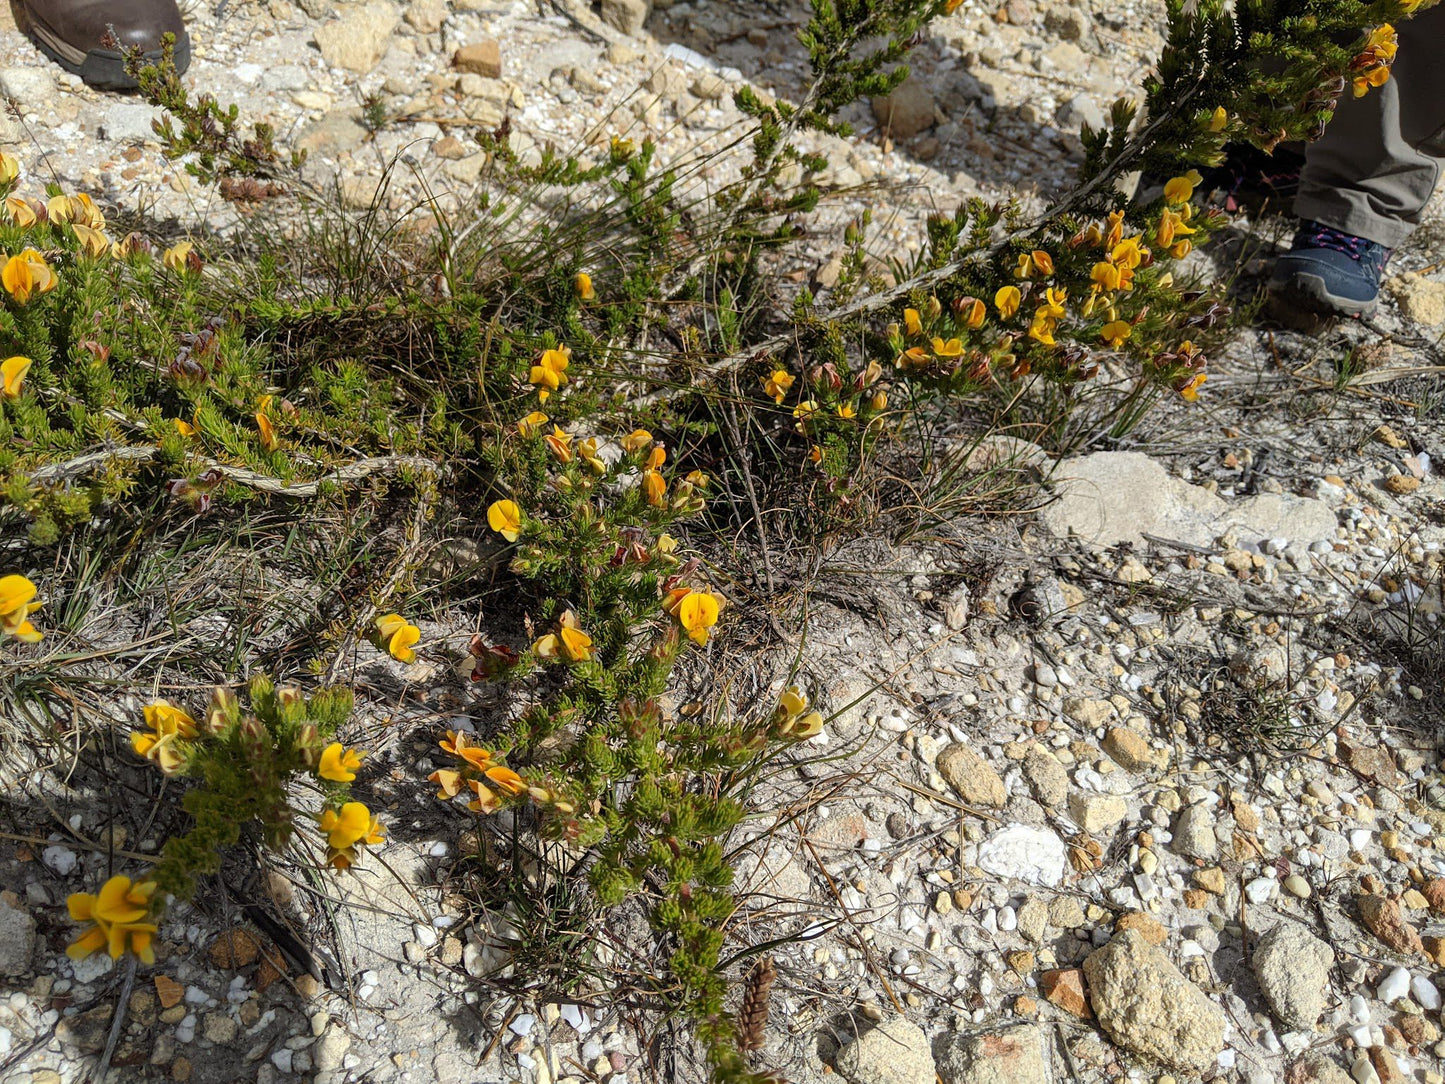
[1146, 787]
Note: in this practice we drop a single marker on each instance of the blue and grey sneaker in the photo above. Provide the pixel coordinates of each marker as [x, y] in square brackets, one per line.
[1330, 272]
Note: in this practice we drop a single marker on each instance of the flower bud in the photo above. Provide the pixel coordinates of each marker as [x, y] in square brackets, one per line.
[223, 712]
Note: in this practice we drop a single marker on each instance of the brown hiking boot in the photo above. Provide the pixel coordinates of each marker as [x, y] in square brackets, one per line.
[91, 37]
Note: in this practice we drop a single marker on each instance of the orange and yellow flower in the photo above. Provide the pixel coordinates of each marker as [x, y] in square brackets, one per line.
[568, 641]
[118, 914]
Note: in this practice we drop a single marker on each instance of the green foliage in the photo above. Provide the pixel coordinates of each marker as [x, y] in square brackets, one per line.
[521, 361]
[244, 763]
[222, 153]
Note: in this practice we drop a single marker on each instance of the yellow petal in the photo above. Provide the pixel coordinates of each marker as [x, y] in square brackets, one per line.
[12, 374]
[505, 518]
[401, 643]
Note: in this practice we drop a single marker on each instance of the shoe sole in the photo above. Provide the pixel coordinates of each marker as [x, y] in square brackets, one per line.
[103, 69]
[1310, 291]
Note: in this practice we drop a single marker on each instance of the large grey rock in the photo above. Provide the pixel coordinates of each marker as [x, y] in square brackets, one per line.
[1293, 968]
[907, 111]
[971, 776]
[1112, 497]
[1145, 1005]
[357, 40]
[894, 1052]
[17, 940]
[1013, 1055]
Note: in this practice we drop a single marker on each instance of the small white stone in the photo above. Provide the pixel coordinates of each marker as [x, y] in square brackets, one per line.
[1426, 993]
[1260, 890]
[1394, 986]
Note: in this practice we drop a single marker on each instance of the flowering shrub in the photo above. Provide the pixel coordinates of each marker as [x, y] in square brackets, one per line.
[245, 763]
[564, 378]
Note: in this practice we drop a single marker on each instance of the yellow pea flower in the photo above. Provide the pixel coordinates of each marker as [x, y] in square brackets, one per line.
[532, 424]
[582, 284]
[777, 384]
[184, 428]
[657, 457]
[350, 825]
[912, 323]
[1043, 262]
[399, 635]
[1218, 119]
[805, 410]
[84, 211]
[793, 701]
[587, 453]
[59, 210]
[569, 641]
[914, 357]
[269, 440]
[1181, 248]
[20, 212]
[92, 242]
[26, 275]
[12, 376]
[815, 454]
[1116, 332]
[1106, 276]
[1190, 391]
[338, 763]
[953, 348]
[165, 718]
[550, 372]
[809, 726]
[1007, 301]
[16, 593]
[559, 444]
[654, 488]
[117, 913]
[697, 612]
[9, 169]
[505, 518]
[879, 401]
[1181, 189]
[975, 313]
[506, 779]
[178, 256]
[635, 441]
[1041, 329]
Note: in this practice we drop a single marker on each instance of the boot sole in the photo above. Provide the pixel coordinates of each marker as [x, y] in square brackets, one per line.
[1310, 292]
[103, 69]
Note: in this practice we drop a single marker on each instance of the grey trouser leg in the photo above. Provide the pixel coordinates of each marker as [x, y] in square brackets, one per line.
[1375, 167]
